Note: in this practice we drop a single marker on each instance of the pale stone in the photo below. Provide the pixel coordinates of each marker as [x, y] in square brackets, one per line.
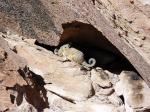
[44, 61]
[5, 101]
[24, 107]
[67, 86]
[134, 90]
[2, 54]
[95, 107]
[60, 105]
[57, 103]
[76, 88]
[49, 23]
[106, 91]
[10, 63]
[38, 59]
[115, 99]
[30, 41]
[113, 77]
[145, 2]
[67, 78]
[101, 78]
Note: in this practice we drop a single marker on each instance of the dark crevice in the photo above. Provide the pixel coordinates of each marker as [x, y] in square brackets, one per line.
[93, 44]
[51, 48]
[122, 98]
[12, 98]
[63, 97]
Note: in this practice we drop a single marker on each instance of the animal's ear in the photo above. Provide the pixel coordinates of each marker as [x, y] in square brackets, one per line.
[69, 44]
[56, 51]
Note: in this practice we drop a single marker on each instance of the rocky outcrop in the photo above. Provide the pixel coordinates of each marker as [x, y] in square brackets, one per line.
[38, 80]
[134, 90]
[64, 79]
[130, 19]
[14, 85]
[10, 63]
[34, 79]
[85, 22]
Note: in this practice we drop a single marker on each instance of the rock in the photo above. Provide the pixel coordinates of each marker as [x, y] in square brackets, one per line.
[2, 55]
[95, 107]
[14, 82]
[53, 109]
[63, 78]
[10, 79]
[30, 19]
[13, 61]
[61, 105]
[135, 48]
[58, 104]
[115, 99]
[50, 84]
[105, 91]
[101, 78]
[106, 95]
[97, 98]
[94, 19]
[134, 90]
[112, 77]
[24, 107]
[49, 63]
[17, 87]
[5, 102]
[40, 63]
[30, 41]
[71, 88]
[9, 75]
[10, 66]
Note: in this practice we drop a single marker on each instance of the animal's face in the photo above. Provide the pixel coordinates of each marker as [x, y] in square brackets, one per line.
[66, 46]
[63, 49]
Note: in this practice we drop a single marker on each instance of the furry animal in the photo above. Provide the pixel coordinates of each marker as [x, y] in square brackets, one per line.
[73, 54]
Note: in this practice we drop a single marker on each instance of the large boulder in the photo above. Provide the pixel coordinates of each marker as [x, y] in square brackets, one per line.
[54, 22]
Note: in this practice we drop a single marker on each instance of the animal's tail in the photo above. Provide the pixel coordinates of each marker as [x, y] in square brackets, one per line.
[92, 62]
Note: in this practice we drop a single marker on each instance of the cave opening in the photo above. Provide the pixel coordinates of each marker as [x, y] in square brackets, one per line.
[93, 44]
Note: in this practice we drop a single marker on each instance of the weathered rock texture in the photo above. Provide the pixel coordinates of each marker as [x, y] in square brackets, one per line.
[131, 21]
[135, 91]
[18, 93]
[9, 76]
[124, 23]
[34, 79]
[49, 84]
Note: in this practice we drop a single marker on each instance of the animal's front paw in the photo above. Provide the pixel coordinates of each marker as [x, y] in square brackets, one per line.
[56, 51]
[86, 68]
[64, 60]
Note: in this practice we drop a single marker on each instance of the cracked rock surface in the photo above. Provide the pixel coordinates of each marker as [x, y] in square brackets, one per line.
[34, 79]
[125, 23]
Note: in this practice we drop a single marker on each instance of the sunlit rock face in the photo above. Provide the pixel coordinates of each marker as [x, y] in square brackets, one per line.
[134, 90]
[42, 81]
[33, 78]
[96, 23]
